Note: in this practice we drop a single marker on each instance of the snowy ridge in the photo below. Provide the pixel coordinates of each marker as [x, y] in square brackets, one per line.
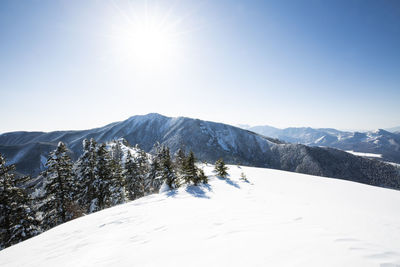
[210, 141]
[276, 219]
[382, 142]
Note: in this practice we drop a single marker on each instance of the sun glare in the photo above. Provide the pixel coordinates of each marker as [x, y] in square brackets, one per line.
[150, 41]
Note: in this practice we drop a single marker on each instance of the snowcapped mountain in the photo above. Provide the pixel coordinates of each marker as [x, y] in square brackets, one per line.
[209, 141]
[276, 219]
[379, 142]
[394, 129]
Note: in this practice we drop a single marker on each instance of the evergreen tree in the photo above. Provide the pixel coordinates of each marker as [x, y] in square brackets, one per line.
[220, 168]
[202, 177]
[17, 219]
[153, 181]
[142, 164]
[116, 150]
[86, 175]
[243, 177]
[167, 171]
[131, 173]
[116, 193]
[58, 186]
[103, 179]
[180, 159]
[190, 170]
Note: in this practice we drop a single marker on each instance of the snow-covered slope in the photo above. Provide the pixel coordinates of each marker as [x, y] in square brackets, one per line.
[382, 142]
[277, 219]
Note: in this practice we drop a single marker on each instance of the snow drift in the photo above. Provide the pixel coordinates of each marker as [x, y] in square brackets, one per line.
[276, 219]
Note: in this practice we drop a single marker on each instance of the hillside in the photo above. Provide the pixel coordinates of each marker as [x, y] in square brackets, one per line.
[278, 219]
[373, 144]
[209, 141]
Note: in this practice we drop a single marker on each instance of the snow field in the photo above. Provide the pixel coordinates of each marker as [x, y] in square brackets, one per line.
[276, 219]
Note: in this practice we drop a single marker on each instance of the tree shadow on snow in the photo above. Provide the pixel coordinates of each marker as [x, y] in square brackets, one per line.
[229, 181]
[199, 191]
[172, 193]
[196, 191]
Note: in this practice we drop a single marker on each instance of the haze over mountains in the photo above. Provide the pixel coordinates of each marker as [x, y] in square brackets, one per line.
[209, 141]
[385, 144]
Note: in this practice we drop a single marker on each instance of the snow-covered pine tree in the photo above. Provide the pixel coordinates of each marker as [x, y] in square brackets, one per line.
[58, 186]
[116, 150]
[131, 174]
[154, 173]
[17, 220]
[201, 176]
[220, 168]
[190, 170]
[243, 177]
[103, 178]
[142, 163]
[167, 171]
[116, 193]
[86, 175]
[179, 161]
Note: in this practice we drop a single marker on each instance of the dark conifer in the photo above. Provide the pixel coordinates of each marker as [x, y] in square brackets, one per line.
[220, 168]
[17, 220]
[190, 171]
[167, 171]
[131, 174]
[58, 186]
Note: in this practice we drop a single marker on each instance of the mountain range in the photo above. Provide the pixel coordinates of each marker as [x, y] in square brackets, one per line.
[209, 141]
[384, 144]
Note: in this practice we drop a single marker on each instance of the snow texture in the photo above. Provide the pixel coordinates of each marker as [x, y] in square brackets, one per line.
[367, 155]
[276, 219]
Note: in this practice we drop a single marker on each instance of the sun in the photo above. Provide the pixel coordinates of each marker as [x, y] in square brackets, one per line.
[147, 41]
[151, 43]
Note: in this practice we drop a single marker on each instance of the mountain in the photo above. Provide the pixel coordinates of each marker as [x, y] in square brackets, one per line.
[209, 141]
[385, 144]
[394, 129]
[276, 219]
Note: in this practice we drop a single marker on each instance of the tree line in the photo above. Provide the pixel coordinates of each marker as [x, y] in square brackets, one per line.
[102, 177]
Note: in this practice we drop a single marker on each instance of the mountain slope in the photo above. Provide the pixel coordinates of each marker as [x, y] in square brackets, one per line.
[278, 219]
[378, 142]
[394, 129]
[209, 141]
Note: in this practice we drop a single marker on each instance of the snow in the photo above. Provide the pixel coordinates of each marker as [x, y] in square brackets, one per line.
[361, 154]
[319, 139]
[276, 219]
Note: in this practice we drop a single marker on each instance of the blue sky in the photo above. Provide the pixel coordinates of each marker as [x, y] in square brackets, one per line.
[79, 64]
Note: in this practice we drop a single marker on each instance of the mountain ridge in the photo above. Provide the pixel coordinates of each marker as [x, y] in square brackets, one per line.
[208, 140]
[380, 141]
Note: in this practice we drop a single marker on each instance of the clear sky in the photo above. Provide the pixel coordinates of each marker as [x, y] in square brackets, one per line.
[82, 64]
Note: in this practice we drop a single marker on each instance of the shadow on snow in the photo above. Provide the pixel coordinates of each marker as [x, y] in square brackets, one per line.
[229, 181]
[196, 191]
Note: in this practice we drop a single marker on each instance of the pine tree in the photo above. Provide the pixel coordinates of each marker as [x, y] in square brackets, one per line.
[153, 180]
[58, 186]
[142, 164]
[116, 193]
[103, 178]
[17, 220]
[202, 177]
[167, 171]
[131, 174]
[116, 150]
[220, 168]
[190, 170]
[243, 177]
[86, 175]
[180, 159]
